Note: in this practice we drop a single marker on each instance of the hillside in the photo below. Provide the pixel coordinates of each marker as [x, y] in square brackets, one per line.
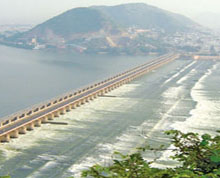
[69, 25]
[75, 21]
[144, 16]
[126, 28]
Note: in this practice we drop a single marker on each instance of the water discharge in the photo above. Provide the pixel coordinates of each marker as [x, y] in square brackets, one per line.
[205, 116]
[178, 73]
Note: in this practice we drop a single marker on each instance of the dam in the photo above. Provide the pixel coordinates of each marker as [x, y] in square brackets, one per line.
[19, 123]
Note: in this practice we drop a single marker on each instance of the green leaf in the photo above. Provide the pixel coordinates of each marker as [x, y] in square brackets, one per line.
[215, 158]
[206, 137]
[204, 143]
[204, 176]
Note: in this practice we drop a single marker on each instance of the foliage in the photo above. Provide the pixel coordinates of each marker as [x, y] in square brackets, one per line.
[199, 157]
[198, 154]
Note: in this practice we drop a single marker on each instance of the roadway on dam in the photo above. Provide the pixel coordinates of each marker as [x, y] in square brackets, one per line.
[52, 108]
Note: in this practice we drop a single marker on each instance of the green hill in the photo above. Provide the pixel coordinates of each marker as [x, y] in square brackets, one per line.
[78, 20]
[144, 16]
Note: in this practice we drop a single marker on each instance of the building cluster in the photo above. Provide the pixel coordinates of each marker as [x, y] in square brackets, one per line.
[204, 42]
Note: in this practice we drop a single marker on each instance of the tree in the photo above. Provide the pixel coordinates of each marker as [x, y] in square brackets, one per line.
[199, 157]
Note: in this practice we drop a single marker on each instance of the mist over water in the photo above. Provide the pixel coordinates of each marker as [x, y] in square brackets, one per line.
[182, 95]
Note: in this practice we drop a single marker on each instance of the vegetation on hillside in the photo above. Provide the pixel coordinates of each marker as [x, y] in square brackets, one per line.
[199, 157]
[78, 20]
[145, 16]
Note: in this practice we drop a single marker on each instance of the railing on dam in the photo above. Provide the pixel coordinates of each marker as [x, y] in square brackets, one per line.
[19, 122]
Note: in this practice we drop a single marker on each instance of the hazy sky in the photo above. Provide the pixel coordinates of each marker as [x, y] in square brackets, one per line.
[37, 11]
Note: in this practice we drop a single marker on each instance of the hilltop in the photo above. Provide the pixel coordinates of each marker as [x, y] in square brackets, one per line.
[144, 16]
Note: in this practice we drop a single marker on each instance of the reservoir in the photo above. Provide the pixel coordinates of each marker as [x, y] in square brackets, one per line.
[183, 95]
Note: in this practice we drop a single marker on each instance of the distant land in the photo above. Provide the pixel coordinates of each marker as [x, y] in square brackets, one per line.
[123, 29]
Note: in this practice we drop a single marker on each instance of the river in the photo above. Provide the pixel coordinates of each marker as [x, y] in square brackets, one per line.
[183, 95]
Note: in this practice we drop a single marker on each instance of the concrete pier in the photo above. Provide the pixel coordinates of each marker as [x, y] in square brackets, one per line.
[30, 126]
[37, 123]
[5, 138]
[14, 134]
[22, 130]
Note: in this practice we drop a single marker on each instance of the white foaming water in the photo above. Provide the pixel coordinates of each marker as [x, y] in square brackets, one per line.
[84, 113]
[203, 117]
[131, 138]
[173, 93]
[124, 144]
[173, 96]
[178, 73]
[127, 142]
[183, 79]
[206, 113]
[164, 158]
[52, 163]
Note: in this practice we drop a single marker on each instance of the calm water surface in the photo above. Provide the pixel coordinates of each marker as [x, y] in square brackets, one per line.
[182, 95]
[30, 77]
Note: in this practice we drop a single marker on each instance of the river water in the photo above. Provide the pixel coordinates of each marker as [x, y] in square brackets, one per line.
[182, 95]
[30, 77]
